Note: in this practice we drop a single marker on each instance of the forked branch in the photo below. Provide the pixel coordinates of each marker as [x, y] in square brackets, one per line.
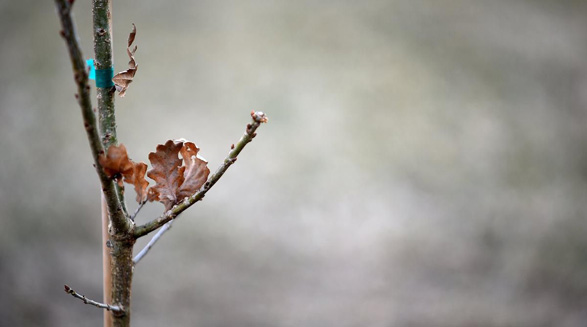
[258, 119]
[68, 32]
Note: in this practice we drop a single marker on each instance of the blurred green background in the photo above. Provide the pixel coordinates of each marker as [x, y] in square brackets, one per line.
[424, 163]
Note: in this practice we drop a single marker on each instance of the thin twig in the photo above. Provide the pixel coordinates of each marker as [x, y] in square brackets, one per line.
[119, 221]
[258, 119]
[108, 307]
[152, 242]
[134, 215]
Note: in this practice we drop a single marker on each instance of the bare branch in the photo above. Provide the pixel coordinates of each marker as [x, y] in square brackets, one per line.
[152, 242]
[108, 307]
[258, 119]
[134, 215]
[119, 221]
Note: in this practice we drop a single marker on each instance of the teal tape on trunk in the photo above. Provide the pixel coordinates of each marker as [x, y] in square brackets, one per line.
[90, 63]
[104, 77]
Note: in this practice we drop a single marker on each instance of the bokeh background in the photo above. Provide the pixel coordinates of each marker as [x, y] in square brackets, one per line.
[424, 164]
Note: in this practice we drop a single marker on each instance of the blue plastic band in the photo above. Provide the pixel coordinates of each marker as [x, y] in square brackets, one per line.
[104, 77]
[90, 63]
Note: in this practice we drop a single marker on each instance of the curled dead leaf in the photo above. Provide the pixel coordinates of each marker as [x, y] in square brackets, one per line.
[196, 170]
[174, 181]
[115, 161]
[116, 164]
[166, 172]
[137, 178]
[125, 77]
[131, 36]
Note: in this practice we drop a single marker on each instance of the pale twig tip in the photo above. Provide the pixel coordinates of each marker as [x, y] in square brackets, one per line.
[259, 117]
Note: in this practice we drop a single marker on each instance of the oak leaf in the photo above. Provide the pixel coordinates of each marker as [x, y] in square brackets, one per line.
[166, 172]
[174, 181]
[137, 178]
[115, 161]
[125, 77]
[196, 170]
[117, 165]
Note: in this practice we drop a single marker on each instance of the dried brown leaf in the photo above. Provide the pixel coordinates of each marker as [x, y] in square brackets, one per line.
[166, 172]
[174, 181]
[196, 171]
[125, 77]
[116, 164]
[131, 36]
[137, 178]
[115, 161]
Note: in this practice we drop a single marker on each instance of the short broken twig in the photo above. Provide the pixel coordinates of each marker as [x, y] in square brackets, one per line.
[108, 307]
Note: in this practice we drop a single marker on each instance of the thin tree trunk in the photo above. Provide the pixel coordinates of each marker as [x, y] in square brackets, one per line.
[120, 234]
[118, 242]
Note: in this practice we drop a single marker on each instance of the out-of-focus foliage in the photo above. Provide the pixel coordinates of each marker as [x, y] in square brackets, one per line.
[425, 163]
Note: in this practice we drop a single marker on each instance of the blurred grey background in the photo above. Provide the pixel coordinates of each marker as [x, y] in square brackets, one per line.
[424, 163]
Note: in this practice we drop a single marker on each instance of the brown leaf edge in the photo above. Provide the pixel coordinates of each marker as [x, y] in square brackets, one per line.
[125, 77]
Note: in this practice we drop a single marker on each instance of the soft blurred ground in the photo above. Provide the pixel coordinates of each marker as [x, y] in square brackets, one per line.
[424, 164]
